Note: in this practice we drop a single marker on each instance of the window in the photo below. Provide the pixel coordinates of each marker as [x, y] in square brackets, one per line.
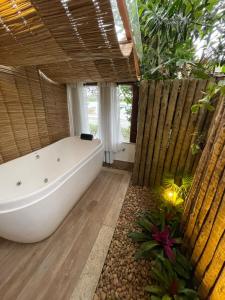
[125, 96]
[93, 110]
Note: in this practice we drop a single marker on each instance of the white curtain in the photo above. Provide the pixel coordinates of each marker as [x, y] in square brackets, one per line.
[109, 120]
[77, 108]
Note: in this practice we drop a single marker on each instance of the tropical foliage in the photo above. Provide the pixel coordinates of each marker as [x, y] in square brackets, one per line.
[171, 271]
[126, 95]
[213, 90]
[158, 233]
[168, 285]
[159, 239]
[173, 191]
[171, 31]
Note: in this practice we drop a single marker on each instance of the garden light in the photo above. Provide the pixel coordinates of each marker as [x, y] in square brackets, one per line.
[170, 194]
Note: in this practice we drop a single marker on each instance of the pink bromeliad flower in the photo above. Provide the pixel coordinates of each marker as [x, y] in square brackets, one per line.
[164, 239]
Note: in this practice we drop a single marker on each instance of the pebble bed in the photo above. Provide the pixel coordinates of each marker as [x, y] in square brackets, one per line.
[123, 277]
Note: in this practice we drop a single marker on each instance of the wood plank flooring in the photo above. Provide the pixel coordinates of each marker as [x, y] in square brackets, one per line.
[51, 269]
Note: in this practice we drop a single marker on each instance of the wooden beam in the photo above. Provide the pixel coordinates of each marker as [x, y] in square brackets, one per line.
[125, 18]
[127, 27]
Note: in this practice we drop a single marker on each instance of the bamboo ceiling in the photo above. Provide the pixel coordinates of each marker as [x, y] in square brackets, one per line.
[68, 40]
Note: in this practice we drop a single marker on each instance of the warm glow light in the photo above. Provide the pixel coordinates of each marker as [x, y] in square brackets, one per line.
[170, 194]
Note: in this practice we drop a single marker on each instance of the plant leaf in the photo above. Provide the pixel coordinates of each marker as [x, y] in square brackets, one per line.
[147, 246]
[155, 289]
[139, 236]
[155, 298]
[178, 240]
[183, 261]
[166, 297]
[195, 108]
[145, 224]
[181, 271]
[192, 294]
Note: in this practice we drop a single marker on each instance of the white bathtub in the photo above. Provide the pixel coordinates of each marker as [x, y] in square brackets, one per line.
[39, 189]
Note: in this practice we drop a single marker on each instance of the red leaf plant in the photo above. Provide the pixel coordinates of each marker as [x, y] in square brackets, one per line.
[164, 239]
[174, 287]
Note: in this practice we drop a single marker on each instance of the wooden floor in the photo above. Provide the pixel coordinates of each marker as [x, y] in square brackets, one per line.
[51, 269]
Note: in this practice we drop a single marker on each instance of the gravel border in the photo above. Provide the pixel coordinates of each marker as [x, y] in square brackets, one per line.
[122, 277]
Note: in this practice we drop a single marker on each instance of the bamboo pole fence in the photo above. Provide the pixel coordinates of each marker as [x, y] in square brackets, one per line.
[33, 112]
[167, 129]
[203, 218]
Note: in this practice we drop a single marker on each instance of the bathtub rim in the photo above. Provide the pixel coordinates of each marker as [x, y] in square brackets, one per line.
[42, 193]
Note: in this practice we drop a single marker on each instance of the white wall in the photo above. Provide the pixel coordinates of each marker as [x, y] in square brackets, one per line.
[127, 154]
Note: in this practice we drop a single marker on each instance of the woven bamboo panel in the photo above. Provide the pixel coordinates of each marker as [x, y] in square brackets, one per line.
[166, 129]
[118, 69]
[69, 40]
[24, 38]
[203, 218]
[55, 103]
[84, 29]
[28, 120]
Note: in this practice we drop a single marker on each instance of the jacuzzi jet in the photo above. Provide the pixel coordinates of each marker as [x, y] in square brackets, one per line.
[19, 183]
[37, 156]
[46, 180]
[58, 159]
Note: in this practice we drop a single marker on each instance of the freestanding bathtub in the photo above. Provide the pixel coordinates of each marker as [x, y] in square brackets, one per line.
[39, 189]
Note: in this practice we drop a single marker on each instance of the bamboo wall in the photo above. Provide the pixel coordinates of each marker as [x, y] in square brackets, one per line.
[33, 112]
[166, 129]
[204, 214]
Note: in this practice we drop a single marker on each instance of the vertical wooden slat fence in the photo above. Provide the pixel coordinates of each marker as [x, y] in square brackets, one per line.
[204, 214]
[167, 129]
[33, 112]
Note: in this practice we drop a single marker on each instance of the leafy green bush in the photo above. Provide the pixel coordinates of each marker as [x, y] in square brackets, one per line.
[213, 90]
[168, 285]
[170, 29]
[157, 234]
[160, 239]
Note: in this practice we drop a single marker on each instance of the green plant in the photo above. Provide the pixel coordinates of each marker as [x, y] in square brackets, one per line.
[125, 94]
[173, 191]
[213, 90]
[171, 29]
[156, 235]
[160, 228]
[197, 146]
[166, 216]
[168, 285]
